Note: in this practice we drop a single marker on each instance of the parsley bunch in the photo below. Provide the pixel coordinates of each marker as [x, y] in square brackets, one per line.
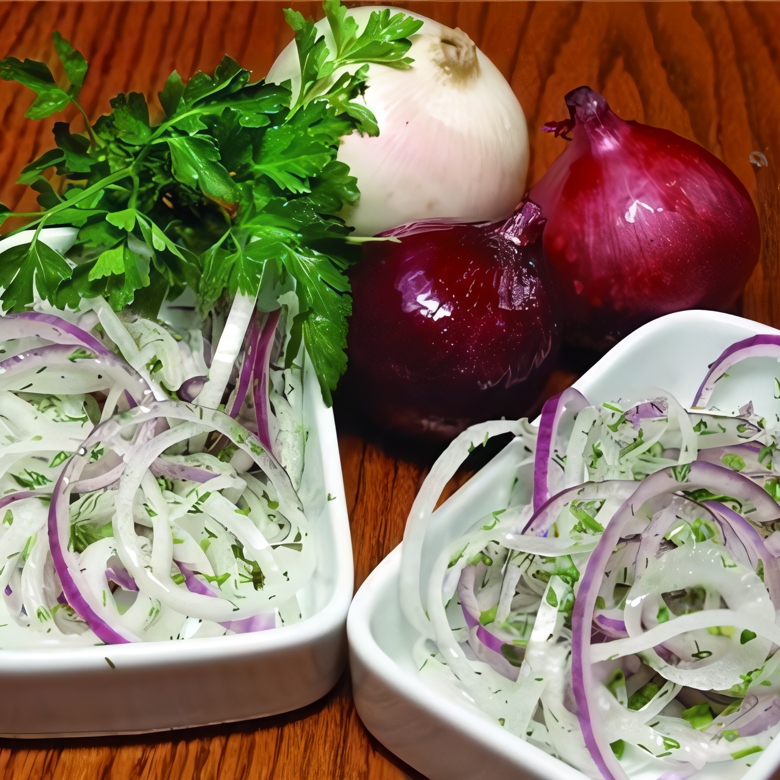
[235, 188]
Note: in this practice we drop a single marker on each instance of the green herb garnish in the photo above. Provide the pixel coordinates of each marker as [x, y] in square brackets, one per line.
[233, 188]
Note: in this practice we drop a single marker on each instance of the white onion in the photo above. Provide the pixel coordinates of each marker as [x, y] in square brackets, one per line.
[453, 140]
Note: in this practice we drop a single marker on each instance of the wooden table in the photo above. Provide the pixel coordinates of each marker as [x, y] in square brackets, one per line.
[709, 72]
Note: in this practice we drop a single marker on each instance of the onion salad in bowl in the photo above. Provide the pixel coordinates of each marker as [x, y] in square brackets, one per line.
[130, 514]
[620, 610]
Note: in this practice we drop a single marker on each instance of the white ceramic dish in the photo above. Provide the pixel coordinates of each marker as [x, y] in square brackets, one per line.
[429, 729]
[169, 685]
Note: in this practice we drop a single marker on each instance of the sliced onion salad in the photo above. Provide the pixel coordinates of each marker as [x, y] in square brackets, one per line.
[129, 512]
[622, 614]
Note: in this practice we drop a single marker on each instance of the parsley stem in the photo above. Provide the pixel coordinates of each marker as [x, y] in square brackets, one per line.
[174, 120]
[42, 222]
[83, 195]
[133, 202]
[316, 89]
[94, 140]
[23, 214]
[321, 86]
[160, 129]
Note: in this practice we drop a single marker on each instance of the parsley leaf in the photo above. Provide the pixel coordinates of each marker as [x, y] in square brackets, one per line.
[321, 286]
[116, 275]
[37, 76]
[172, 93]
[73, 61]
[74, 150]
[384, 39]
[194, 161]
[29, 267]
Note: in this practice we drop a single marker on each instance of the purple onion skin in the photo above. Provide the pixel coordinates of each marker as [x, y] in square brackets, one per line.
[450, 327]
[620, 264]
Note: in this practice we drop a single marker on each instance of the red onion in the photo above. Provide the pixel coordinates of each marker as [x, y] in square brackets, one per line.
[762, 345]
[553, 411]
[544, 517]
[51, 328]
[261, 370]
[452, 324]
[260, 622]
[485, 645]
[753, 543]
[191, 387]
[640, 223]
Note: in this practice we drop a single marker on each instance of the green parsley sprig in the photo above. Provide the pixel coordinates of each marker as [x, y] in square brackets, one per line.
[235, 188]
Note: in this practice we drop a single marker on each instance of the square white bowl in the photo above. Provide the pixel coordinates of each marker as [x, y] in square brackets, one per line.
[434, 732]
[158, 686]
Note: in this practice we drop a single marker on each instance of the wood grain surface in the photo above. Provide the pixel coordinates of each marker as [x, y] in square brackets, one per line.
[710, 72]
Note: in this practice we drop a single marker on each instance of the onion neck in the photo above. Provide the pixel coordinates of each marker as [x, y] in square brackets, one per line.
[525, 225]
[587, 106]
[587, 110]
[456, 54]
